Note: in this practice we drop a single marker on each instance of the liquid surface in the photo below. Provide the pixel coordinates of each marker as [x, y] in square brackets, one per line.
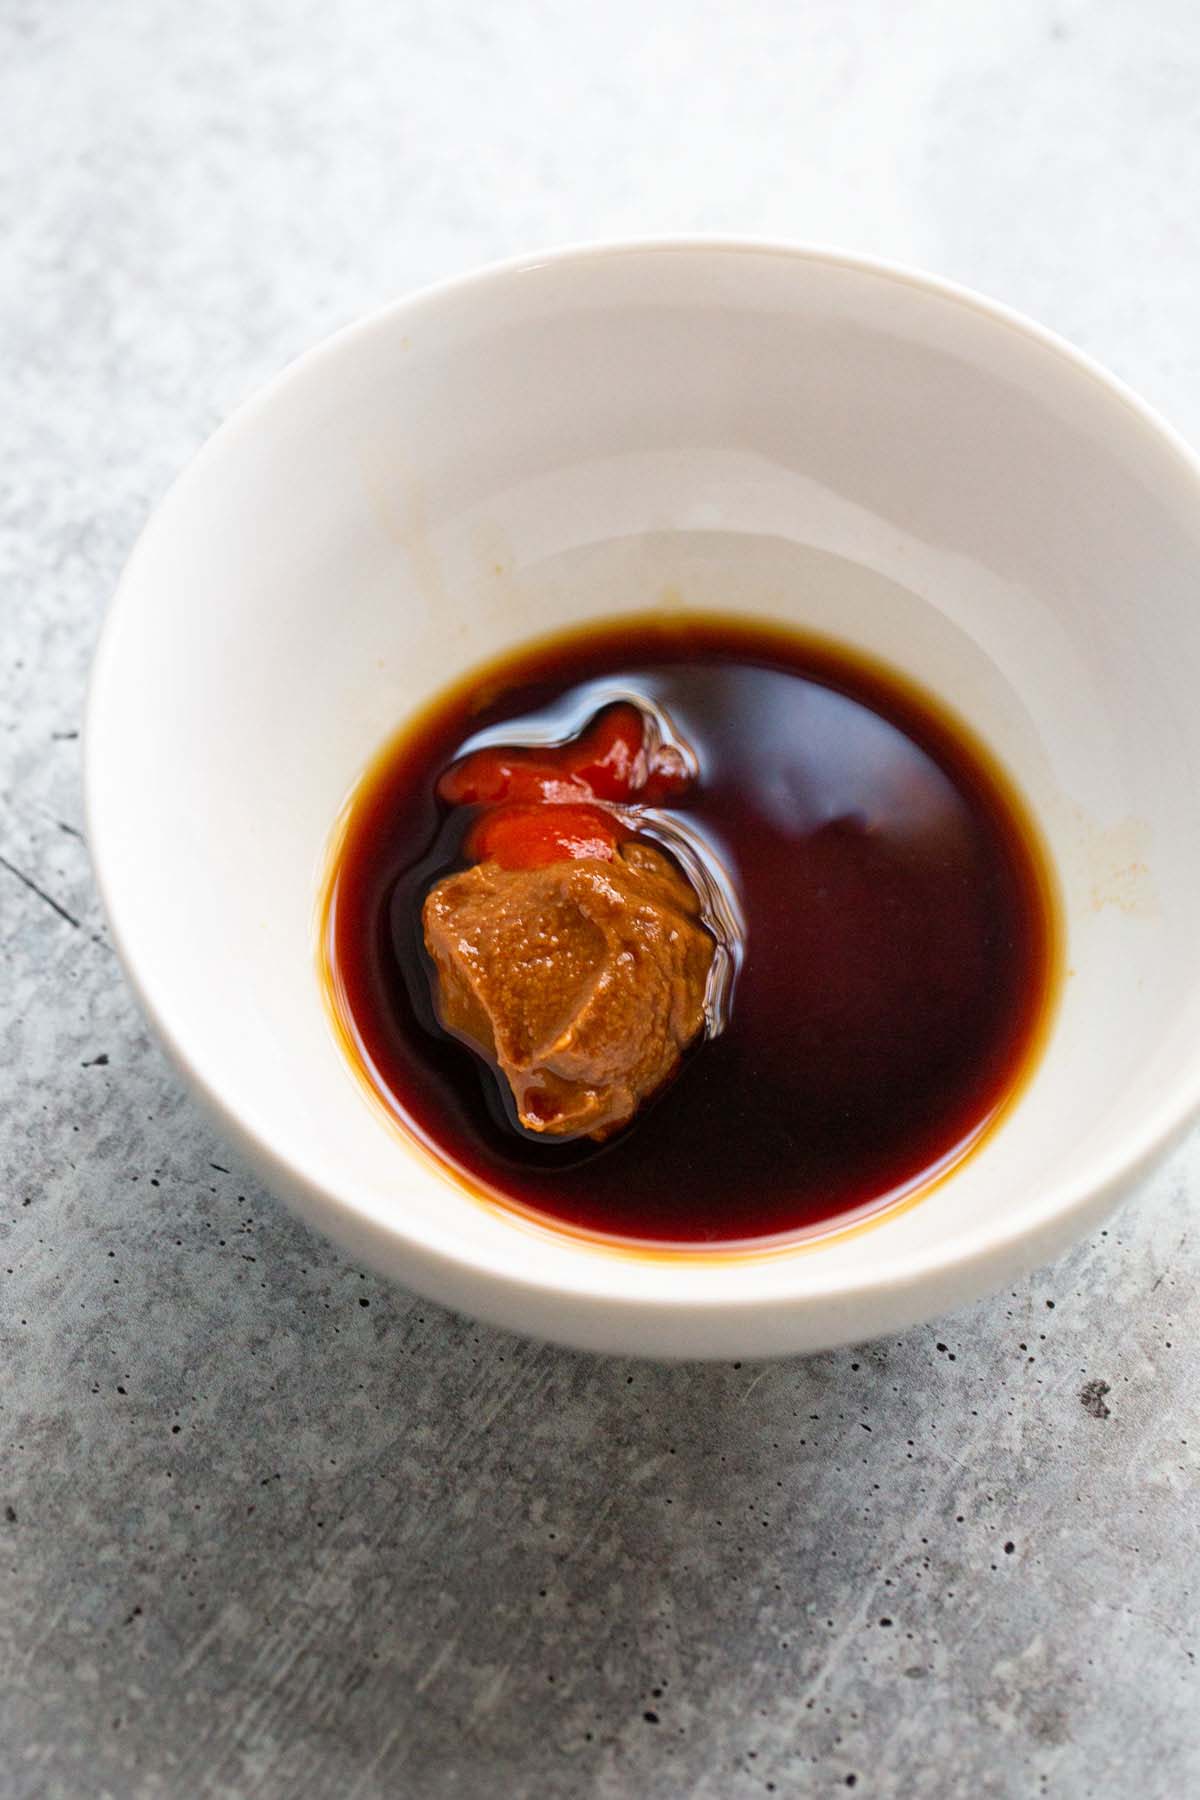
[897, 960]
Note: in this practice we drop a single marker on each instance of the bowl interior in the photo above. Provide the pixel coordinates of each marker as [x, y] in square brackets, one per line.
[790, 436]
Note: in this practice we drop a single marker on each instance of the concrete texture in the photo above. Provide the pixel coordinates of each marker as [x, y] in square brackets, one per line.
[268, 1527]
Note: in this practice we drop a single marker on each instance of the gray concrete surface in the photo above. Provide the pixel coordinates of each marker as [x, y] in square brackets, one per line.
[267, 1526]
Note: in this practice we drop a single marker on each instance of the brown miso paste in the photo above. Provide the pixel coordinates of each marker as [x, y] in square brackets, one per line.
[894, 965]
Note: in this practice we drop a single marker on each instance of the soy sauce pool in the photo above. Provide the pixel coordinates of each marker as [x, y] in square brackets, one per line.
[897, 969]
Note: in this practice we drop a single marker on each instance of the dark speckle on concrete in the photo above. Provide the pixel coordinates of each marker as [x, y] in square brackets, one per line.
[1091, 1398]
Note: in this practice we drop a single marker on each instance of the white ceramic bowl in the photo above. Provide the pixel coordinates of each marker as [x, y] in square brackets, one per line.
[786, 432]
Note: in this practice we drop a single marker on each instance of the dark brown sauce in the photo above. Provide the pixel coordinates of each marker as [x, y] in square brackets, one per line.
[898, 967]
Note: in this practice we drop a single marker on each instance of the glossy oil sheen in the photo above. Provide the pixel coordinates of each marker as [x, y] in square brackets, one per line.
[899, 956]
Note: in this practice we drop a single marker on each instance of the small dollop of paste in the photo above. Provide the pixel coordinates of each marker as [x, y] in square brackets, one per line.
[582, 977]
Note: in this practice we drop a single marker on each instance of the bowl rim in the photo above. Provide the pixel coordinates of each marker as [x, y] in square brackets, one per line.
[1017, 1236]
